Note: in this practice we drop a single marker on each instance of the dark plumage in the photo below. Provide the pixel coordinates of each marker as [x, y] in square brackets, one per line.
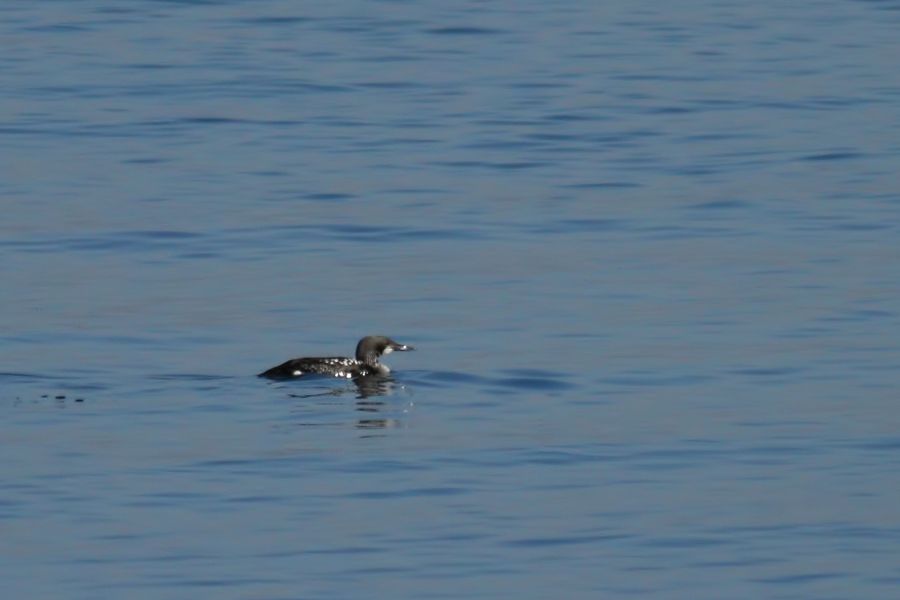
[368, 351]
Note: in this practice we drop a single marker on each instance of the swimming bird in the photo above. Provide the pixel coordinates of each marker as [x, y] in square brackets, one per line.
[368, 351]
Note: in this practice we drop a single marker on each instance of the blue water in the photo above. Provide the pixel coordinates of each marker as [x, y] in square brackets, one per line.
[648, 254]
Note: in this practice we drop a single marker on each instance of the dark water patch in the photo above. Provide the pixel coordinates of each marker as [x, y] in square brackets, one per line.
[738, 530]
[435, 235]
[834, 103]
[851, 530]
[383, 59]
[385, 466]
[768, 371]
[164, 235]
[489, 165]
[685, 543]
[733, 563]
[880, 445]
[390, 85]
[133, 241]
[415, 191]
[463, 31]
[408, 493]
[56, 28]
[225, 582]
[297, 552]
[517, 165]
[838, 224]
[832, 156]
[18, 377]
[119, 536]
[346, 551]
[698, 170]
[538, 85]
[773, 422]
[602, 185]
[269, 173]
[801, 578]
[328, 196]
[155, 160]
[395, 141]
[29, 131]
[859, 315]
[719, 136]
[503, 145]
[298, 425]
[581, 335]
[564, 226]
[890, 5]
[147, 66]
[628, 138]
[277, 20]
[507, 122]
[307, 87]
[255, 499]
[864, 226]
[552, 137]
[551, 541]
[572, 117]
[176, 497]
[376, 233]
[204, 120]
[190, 121]
[236, 243]
[720, 205]
[195, 2]
[670, 110]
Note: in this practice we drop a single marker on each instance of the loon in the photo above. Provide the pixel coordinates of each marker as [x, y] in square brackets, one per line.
[368, 351]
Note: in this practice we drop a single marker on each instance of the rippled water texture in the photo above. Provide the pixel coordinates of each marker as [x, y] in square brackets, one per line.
[648, 254]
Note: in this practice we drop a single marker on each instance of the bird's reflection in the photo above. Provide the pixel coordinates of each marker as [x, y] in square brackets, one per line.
[369, 392]
[365, 387]
[374, 385]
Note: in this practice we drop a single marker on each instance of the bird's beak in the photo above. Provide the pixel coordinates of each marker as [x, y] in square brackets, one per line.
[402, 347]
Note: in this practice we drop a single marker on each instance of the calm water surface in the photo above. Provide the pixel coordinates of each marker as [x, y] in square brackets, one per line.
[648, 253]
